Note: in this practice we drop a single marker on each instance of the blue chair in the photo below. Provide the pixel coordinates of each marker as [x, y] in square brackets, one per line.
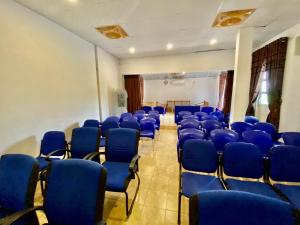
[241, 127]
[291, 138]
[148, 129]
[219, 115]
[157, 120]
[52, 140]
[188, 123]
[106, 126]
[160, 109]
[197, 156]
[140, 111]
[75, 193]
[210, 125]
[121, 161]
[245, 160]
[261, 139]
[91, 123]
[251, 119]
[238, 208]
[188, 134]
[130, 118]
[221, 137]
[181, 114]
[139, 116]
[146, 108]
[18, 179]
[113, 118]
[207, 109]
[285, 167]
[131, 124]
[209, 117]
[200, 114]
[269, 128]
[125, 115]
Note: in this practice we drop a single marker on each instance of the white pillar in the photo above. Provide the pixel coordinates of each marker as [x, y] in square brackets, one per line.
[242, 74]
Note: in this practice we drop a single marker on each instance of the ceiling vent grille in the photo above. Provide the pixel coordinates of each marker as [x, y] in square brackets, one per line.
[112, 31]
[231, 18]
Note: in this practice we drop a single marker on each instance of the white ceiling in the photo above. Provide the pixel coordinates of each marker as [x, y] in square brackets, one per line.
[151, 24]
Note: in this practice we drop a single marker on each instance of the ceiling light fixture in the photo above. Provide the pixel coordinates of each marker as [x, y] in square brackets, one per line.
[132, 50]
[170, 46]
[183, 73]
[213, 41]
[73, 1]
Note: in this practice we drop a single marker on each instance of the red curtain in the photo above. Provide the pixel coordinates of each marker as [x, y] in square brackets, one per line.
[225, 91]
[275, 63]
[135, 91]
[258, 64]
[228, 92]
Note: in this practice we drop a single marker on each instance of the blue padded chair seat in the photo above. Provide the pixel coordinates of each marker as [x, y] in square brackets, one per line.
[252, 187]
[117, 176]
[291, 192]
[102, 142]
[147, 133]
[193, 183]
[43, 163]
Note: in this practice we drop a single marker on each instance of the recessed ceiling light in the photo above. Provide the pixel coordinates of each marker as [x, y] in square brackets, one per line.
[183, 73]
[170, 46]
[213, 41]
[72, 1]
[132, 50]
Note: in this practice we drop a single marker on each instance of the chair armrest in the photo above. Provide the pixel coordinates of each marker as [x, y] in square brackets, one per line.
[133, 163]
[12, 218]
[92, 155]
[54, 152]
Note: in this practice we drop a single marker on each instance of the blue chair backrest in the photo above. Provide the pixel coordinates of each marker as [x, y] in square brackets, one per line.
[139, 116]
[200, 114]
[190, 117]
[129, 118]
[267, 127]
[209, 125]
[220, 137]
[18, 179]
[260, 138]
[156, 117]
[182, 113]
[73, 185]
[207, 109]
[147, 124]
[125, 114]
[53, 140]
[188, 134]
[219, 115]
[251, 119]
[113, 118]
[189, 123]
[140, 111]
[130, 124]
[199, 156]
[107, 125]
[146, 108]
[241, 127]
[285, 163]
[238, 208]
[153, 112]
[291, 138]
[243, 160]
[122, 145]
[91, 123]
[209, 117]
[84, 141]
[160, 109]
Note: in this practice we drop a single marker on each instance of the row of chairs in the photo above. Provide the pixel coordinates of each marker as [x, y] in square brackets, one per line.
[121, 166]
[160, 109]
[239, 160]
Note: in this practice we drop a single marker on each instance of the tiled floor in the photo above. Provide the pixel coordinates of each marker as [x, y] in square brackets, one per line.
[156, 202]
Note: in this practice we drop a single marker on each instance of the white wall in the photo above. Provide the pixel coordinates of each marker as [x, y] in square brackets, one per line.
[290, 108]
[195, 90]
[48, 79]
[110, 81]
[194, 62]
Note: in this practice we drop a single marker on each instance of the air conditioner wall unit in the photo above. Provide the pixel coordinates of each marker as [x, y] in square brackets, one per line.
[177, 82]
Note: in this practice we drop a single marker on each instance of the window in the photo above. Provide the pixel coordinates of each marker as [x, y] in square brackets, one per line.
[263, 95]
